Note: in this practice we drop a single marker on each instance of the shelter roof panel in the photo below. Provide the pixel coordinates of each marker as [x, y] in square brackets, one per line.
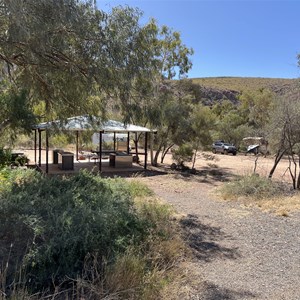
[92, 123]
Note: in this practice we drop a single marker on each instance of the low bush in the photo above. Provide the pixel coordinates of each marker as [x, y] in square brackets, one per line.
[60, 220]
[257, 187]
[138, 190]
[5, 157]
[183, 154]
[82, 235]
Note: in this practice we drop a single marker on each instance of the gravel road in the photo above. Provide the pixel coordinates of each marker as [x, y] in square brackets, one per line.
[239, 252]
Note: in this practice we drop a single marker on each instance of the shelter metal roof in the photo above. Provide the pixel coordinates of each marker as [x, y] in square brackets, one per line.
[92, 123]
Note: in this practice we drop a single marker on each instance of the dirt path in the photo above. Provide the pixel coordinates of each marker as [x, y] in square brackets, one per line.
[239, 252]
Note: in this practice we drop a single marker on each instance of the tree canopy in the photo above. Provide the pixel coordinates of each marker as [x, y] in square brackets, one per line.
[78, 59]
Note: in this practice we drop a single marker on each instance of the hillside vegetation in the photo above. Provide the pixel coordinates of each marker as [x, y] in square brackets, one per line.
[239, 84]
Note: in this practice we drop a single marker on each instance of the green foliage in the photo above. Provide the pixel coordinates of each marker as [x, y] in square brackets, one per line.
[257, 106]
[57, 229]
[5, 157]
[16, 112]
[174, 55]
[64, 219]
[157, 216]
[171, 114]
[184, 153]
[8, 158]
[231, 122]
[203, 122]
[254, 186]
[21, 160]
[73, 58]
[137, 189]
[61, 140]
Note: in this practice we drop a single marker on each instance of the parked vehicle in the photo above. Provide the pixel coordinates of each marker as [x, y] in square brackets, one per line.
[224, 148]
[256, 145]
[253, 149]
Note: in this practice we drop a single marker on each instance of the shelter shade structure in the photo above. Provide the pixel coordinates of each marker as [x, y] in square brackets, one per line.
[93, 124]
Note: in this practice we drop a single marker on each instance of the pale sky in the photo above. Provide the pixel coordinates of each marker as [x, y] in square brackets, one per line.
[247, 38]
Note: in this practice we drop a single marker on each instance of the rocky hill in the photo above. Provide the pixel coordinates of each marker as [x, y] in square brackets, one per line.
[215, 89]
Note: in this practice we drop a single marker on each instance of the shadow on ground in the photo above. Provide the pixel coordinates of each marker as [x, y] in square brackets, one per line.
[209, 175]
[204, 240]
[211, 291]
[205, 243]
[144, 173]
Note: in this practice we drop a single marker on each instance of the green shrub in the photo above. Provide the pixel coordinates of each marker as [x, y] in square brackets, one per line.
[137, 189]
[21, 160]
[8, 158]
[251, 186]
[59, 221]
[5, 157]
[183, 154]
[60, 140]
[83, 236]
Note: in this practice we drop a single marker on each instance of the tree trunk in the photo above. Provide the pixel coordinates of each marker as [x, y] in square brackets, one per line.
[194, 158]
[255, 165]
[165, 152]
[278, 157]
[293, 174]
[156, 155]
[298, 180]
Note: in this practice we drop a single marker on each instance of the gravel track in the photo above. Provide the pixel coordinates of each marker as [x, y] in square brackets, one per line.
[239, 252]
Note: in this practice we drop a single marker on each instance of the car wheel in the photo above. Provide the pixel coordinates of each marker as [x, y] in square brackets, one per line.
[225, 151]
[214, 151]
[234, 153]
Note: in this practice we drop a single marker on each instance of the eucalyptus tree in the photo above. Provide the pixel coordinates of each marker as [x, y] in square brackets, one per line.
[284, 134]
[77, 59]
[16, 112]
[64, 52]
[171, 116]
[203, 122]
[231, 122]
[257, 107]
[49, 48]
[167, 59]
[150, 98]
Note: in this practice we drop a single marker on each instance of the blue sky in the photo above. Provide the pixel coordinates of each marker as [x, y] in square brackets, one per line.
[247, 38]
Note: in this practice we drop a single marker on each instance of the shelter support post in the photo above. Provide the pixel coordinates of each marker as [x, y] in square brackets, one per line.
[40, 148]
[100, 150]
[128, 136]
[146, 150]
[47, 152]
[77, 138]
[114, 141]
[136, 147]
[35, 146]
[151, 148]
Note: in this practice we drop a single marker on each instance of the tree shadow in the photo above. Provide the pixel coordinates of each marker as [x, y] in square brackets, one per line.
[144, 173]
[208, 175]
[204, 240]
[211, 174]
[213, 292]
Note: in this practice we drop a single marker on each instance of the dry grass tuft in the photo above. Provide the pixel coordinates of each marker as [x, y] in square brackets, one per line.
[282, 205]
[253, 190]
